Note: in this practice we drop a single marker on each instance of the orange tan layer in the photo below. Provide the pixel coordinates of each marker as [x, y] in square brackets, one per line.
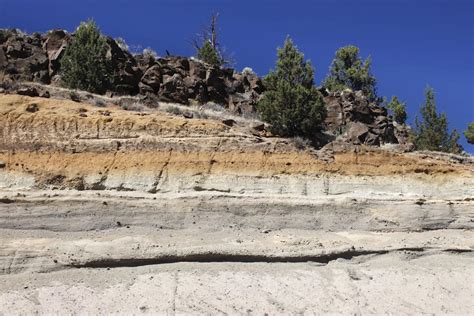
[252, 163]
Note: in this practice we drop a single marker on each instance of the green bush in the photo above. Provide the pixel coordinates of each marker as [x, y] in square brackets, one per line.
[469, 133]
[349, 71]
[431, 133]
[84, 65]
[399, 110]
[291, 103]
[209, 54]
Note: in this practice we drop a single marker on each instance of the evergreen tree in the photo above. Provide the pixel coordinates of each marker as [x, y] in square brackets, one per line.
[84, 65]
[291, 103]
[349, 71]
[469, 133]
[399, 110]
[209, 54]
[432, 132]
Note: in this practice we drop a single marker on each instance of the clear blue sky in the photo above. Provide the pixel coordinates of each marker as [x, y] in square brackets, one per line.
[412, 43]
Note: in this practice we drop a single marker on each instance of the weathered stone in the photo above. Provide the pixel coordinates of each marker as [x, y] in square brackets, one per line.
[229, 122]
[3, 59]
[259, 127]
[197, 69]
[55, 44]
[372, 139]
[32, 108]
[152, 78]
[127, 73]
[188, 115]
[357, 132]
[31, 92]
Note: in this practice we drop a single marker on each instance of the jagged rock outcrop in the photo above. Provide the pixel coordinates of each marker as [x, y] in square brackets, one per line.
[175, 79]
[352, 118]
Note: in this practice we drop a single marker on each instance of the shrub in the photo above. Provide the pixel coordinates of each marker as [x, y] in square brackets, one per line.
[349, 71]
[100, 103]
[149, 54]
[292, 104]
[247, 71]
[431, 133]
[209, 54]
[135, 106]
[469, 133]
[399, 110]
[174, 110]
[301, 143]
[84, 65]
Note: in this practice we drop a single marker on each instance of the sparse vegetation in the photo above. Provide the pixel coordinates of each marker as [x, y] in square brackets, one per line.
[135, 106]
[431, 133]
[399, 110]
[292, 104]
[174, 110]
[149, 54]
[301, 143]
[84, 65]
[349, 71]
[99, 103]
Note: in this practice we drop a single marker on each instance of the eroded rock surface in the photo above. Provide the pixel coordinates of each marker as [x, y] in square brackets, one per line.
[110, 211]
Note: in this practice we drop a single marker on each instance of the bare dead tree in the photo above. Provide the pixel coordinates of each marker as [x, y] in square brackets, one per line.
[209, 34]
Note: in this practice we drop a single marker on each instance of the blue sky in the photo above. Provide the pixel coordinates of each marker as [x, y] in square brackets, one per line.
[412, 43]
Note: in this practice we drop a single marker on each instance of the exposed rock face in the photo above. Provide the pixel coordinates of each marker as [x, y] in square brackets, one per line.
[357, 121]
[175, 79]
[351, 118]
[22, 57]
[99, 207]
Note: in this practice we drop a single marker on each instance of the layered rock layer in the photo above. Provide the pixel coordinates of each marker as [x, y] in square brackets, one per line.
[101, 206]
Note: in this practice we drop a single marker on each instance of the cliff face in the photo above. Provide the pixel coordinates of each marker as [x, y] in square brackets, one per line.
[36, 58]
[101, 206]
[70, 144]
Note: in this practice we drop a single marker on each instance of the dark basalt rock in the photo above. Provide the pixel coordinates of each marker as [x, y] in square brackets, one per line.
[351, 117]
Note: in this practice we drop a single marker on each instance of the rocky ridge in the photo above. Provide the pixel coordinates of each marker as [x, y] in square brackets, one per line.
[35, 58]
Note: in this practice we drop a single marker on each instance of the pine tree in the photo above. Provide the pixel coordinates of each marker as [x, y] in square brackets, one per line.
[84, 65]
[209, 55]
[349, 71]
[432, 132]
[399, 110]
[291, 103]
[469, 133]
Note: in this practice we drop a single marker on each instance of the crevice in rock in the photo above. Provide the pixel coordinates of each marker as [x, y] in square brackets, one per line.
[243, 258]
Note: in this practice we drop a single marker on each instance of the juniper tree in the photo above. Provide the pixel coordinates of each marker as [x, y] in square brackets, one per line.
[399, 110]
[349, 71]
[431, 133]
[469, 133]
[291, 103]
[84, 65]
